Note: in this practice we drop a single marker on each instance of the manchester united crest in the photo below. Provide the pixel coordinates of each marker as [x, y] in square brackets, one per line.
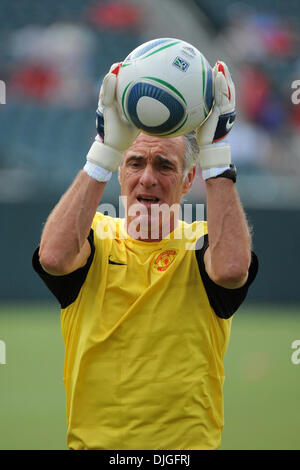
[164, 260]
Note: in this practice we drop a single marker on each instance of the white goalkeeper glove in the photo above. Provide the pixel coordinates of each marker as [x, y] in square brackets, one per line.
[114, 135]
[214, 157]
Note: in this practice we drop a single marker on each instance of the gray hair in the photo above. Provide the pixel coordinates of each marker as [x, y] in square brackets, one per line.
[191, 153]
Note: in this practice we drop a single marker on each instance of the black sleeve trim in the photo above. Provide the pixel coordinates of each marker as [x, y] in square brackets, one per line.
[224, 302]
[67, 287]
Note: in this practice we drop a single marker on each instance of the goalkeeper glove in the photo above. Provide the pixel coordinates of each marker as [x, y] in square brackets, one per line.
[215, 158]
[113, 134]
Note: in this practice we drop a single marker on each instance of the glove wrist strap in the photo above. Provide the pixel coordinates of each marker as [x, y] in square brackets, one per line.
[214, 156]
[97, 172]
[213, 172]
[221, 172]
[104, 156]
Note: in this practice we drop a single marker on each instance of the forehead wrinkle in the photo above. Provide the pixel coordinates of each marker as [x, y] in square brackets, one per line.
[155, 158]
[135, 157]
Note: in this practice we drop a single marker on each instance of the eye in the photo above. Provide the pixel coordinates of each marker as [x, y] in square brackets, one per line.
[165, 167]
[135, 164]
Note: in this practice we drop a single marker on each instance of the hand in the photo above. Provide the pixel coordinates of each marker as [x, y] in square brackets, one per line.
[219, 122]
[112, 130]
[114, 134]
[222, 117]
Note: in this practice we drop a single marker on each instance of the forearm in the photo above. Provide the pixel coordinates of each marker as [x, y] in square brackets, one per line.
[69, 223]
[229, 237]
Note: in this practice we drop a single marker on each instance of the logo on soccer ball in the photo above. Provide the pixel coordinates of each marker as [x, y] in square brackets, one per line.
[181, 64]
[164, 260]
[190, 51]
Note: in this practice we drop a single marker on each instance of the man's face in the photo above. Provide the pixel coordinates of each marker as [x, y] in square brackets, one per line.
[151, 176]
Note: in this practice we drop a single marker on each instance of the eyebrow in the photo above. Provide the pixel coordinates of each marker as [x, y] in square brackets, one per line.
[134, 157]
[157, 157]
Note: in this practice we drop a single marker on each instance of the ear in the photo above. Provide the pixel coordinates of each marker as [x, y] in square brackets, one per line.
[189, 179]
[119, 175]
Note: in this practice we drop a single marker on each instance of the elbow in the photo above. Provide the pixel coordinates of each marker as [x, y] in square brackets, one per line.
[232, 280]
[52, 263]
[233, 275]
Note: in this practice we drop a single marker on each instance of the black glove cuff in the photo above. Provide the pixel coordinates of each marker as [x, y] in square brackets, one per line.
[230, 173]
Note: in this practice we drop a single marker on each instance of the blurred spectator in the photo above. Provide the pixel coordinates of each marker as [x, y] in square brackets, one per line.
[53, 64]
[259, 101]
[252, 36]
[250, 146]
[115, 15]
[263, 49]
[34, 80]
[276, 37]
[253, 91]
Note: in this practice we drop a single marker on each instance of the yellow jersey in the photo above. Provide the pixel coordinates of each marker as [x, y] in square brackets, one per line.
[144, 346]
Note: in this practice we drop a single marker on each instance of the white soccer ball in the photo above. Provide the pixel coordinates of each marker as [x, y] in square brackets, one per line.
[165, 87]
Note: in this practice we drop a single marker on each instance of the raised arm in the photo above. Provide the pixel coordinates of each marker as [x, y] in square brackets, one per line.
[64, 246]
[228, 257]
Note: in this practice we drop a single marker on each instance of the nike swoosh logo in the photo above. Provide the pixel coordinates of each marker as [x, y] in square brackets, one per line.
[110, 261]
[229, 125]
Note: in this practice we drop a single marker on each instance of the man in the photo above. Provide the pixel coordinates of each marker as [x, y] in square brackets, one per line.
[145, 317]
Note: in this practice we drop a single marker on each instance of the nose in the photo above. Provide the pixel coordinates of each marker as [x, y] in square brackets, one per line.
[148, 177]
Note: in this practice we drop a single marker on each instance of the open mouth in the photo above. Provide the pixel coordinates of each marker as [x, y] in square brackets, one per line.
[148, 199]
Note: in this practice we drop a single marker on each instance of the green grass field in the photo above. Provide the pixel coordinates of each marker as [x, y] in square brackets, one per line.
[261, 387]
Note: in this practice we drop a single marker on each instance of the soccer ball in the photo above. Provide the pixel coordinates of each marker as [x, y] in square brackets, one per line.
[165, 87]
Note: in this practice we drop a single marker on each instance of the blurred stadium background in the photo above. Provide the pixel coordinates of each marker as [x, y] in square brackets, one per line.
[53, 56]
